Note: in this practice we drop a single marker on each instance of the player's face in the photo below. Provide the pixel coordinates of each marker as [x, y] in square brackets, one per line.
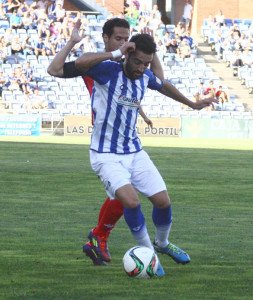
[137, 63]
[117, 39]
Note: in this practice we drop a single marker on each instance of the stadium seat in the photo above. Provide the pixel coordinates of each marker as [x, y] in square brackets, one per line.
[4, 24]
[101, 19]
[229, 22]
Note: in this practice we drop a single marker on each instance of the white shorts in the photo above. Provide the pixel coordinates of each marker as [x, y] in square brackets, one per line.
[117, 170]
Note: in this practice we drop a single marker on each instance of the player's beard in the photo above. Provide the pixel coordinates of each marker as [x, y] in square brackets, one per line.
[130, 71]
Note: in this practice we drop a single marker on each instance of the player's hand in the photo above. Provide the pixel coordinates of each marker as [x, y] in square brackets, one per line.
[127, 47]
[204, 103]
[75, 36]
[149, 122]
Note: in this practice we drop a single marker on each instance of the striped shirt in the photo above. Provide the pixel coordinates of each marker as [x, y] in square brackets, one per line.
[115, 104]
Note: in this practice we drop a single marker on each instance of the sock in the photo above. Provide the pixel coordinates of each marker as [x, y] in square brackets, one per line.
[136, 222]
[112, 212]
[162, 218]
[103, 208]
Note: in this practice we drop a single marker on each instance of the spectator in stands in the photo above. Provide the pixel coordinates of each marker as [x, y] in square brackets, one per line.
[28, 71]
[27, 105]
[243, 42]
[13, 84]
[247, 58]
[180, 30]
[184, 50]
[40, 48]
[132, 10]
[221, 95]
[49, 46]
[166, 39]
[16, 48]
[156, 12]
[58, 13]
[219, 18]
[144, 12]
[43, 4]
[3, 82]
[219, 44]
[187, 15]
[161, 49]
[132, 20]
[236, 60]
[2, 12]
[23, 9]
[201, 90]
[60, 43]
[67, 25]
[28, 46]
[210, 91]
[88, 45]
[190, 40]
[153, 23]
[23, 83]
[6, 46]
[43, 29]
[38, 101]
[3, 54]
[12, 5]
[173, 47]
[9, 36]
[28, 22]
[210, 21]
[55, 29]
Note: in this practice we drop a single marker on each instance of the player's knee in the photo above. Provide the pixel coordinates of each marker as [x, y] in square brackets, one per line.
[132, 203]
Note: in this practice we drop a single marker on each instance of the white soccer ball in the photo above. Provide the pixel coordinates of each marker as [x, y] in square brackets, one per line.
[140, 262]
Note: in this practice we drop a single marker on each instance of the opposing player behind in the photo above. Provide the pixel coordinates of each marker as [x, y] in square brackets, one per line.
[115, 33]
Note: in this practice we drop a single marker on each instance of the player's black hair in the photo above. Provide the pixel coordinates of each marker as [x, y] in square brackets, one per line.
[115, 22]
[144, 42]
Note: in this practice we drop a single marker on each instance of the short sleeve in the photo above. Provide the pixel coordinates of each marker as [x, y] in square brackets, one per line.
[104, 71]
[155, 83]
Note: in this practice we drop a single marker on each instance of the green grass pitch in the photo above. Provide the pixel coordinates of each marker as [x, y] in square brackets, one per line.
[50, 199]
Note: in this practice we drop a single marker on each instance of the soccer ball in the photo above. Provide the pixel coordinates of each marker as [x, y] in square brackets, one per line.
[140, 262]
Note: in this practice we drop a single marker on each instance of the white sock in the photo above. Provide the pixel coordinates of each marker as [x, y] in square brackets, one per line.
[142, 238]
[162, 235]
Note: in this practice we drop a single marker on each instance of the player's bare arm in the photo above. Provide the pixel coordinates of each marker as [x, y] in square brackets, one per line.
[156, 67]
[90, 59]
[170, 91]
[56, 66]
[145, 118]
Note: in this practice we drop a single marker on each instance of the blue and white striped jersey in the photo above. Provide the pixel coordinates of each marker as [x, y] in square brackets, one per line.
[115, 104]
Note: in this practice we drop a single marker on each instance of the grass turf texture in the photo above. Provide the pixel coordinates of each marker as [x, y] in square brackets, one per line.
[50, 199]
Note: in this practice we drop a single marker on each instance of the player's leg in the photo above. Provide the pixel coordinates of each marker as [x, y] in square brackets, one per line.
[136, 220]
[151, 184]
[98, 236]
[162, 219]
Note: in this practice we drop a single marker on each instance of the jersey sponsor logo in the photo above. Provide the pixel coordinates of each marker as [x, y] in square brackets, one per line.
[127, 101]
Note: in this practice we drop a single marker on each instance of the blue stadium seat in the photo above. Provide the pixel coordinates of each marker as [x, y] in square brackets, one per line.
[228, 22]
[4, 24]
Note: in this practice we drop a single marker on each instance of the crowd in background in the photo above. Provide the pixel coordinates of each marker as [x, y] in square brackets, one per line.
[43, 27]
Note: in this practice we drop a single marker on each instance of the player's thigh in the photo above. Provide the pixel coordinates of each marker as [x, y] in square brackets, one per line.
[145, 176]
[111, 172]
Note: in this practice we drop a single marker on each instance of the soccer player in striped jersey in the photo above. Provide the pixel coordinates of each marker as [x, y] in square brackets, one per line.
[115, 33]
[116, 153]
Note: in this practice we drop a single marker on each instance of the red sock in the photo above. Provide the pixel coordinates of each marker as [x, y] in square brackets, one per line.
[112, 213]
[103, 208]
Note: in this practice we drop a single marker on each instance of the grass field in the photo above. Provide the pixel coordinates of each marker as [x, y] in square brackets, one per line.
[50, 199]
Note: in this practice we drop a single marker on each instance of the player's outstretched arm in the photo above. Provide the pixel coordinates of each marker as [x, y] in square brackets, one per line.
[90, 59]
[156, 67]
[56, 66]
[169, 90]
